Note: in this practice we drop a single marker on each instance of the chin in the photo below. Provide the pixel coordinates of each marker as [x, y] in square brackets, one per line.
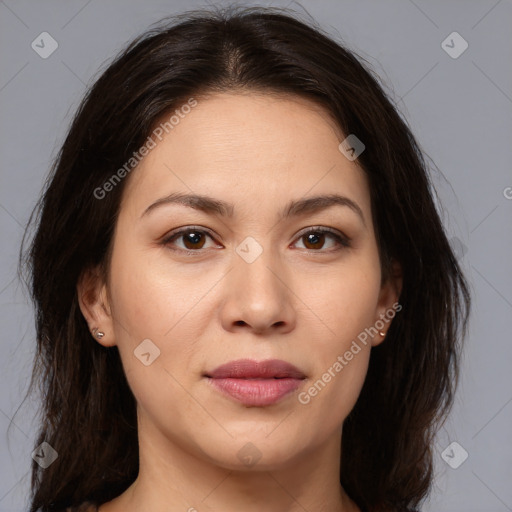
[251, 452]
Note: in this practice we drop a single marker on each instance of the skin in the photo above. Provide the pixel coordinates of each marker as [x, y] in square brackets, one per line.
[300, 302]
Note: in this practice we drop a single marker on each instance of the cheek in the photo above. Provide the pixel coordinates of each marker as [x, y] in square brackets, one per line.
[154, 299]
[340, 368]
[151, 301]
[151, 297]
[343, 305]
[343, 300]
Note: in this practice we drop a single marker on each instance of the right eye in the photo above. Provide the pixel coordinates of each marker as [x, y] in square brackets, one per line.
[193, 239]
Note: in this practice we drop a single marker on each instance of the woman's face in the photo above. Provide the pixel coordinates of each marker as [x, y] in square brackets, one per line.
[253, 279]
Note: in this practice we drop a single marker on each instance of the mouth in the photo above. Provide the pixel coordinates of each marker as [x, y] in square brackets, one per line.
[256, 384]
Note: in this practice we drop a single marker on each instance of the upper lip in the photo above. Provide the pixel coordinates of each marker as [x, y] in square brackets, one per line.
[250, 369]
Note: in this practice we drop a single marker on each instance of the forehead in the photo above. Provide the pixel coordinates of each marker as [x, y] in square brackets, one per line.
[249, 149]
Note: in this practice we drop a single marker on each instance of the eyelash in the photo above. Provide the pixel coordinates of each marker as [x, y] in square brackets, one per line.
[343, 241]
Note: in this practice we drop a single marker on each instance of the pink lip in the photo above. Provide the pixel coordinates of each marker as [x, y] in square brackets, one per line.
[256, 383]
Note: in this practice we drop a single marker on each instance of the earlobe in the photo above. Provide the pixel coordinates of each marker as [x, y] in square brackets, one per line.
[94, 305]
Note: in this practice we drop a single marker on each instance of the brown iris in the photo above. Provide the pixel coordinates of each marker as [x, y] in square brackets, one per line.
[193, 237]
[317, 240]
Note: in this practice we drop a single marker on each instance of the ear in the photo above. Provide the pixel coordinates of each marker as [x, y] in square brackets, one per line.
[94, 304]
[387, 305]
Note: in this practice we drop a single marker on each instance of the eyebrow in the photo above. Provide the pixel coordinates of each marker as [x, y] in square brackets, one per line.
[292, 209]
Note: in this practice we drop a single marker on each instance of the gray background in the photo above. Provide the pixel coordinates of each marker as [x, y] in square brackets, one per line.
[460, 110]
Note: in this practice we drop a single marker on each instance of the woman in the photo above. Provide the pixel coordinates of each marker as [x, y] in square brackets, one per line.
[245, 297]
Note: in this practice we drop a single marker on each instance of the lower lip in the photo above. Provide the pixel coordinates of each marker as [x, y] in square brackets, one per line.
[256, 392]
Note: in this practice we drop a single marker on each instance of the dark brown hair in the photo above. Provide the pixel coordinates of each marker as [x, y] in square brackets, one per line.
[88, 411]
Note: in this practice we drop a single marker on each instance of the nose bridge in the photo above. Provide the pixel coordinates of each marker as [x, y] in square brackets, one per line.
[256, 291]
[257, 271]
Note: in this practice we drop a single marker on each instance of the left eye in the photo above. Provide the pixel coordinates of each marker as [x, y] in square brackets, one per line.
[314, 239]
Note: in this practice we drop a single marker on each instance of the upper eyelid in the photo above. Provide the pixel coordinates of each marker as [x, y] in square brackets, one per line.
[324, 229]
[185, 229]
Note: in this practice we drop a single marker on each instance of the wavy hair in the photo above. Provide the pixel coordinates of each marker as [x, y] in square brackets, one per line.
[88, 412]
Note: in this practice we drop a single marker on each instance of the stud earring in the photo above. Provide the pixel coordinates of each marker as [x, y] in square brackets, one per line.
[382, 333]
[96, 332]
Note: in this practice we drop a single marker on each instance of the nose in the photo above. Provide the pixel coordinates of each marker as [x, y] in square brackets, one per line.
[258, 296]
